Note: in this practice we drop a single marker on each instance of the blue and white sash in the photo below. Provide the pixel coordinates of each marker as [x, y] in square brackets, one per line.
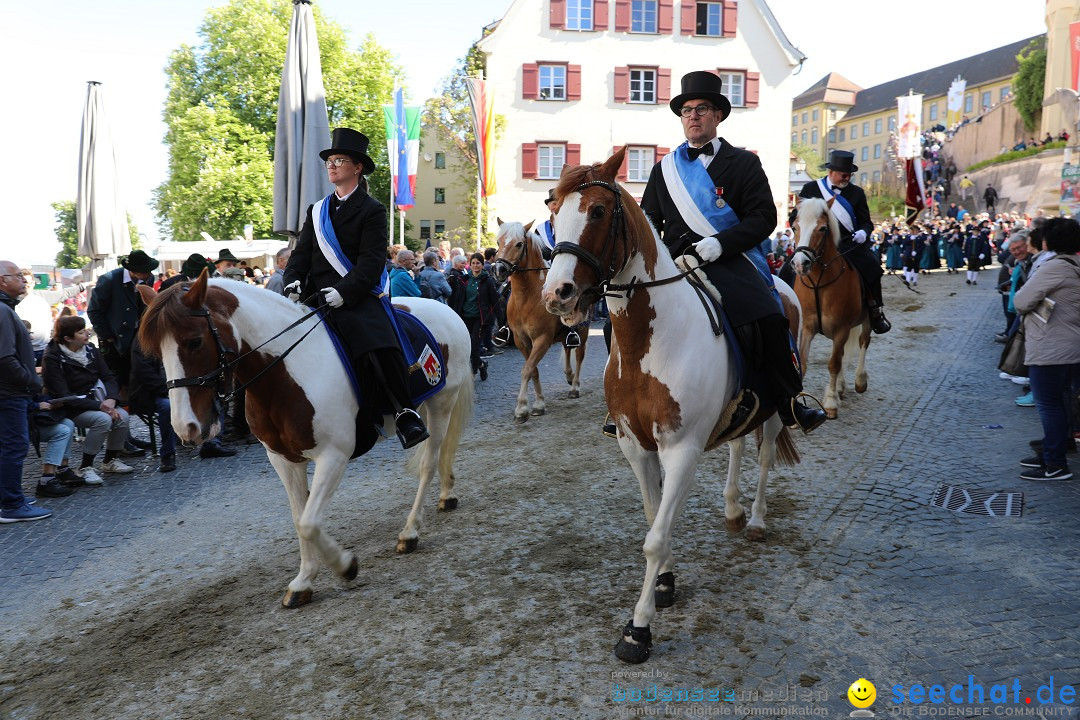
[549, 234]
[694, 195]
[841, 208]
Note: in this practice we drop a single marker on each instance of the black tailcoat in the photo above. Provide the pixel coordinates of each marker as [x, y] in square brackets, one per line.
[360, 226]
[746, 189]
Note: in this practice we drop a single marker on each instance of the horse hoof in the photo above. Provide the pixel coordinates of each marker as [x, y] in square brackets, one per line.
[830, 413]
[574, 394]
[665, 598]
[538, 412]
[860, 387]
[448, 504]
[351, 571]
[755, 534]
[735, 525]
[407, 546]
[521, 419]
[296, 599]
[634, 652]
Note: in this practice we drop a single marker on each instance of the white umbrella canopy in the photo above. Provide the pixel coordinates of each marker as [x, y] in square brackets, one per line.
[100, 216]
[302, 126]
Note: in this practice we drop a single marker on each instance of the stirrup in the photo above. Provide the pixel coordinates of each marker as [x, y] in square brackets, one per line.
[609, 429]
[572, 340]
[408, 411]
[501, 336]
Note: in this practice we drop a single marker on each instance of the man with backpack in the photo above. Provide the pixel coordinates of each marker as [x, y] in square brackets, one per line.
[433, 282]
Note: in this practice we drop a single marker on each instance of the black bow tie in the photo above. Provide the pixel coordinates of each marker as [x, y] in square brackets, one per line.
[693, 152]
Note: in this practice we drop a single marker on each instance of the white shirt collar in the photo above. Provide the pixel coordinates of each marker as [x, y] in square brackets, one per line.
[127, 277]
[343, 199]
[706, 159]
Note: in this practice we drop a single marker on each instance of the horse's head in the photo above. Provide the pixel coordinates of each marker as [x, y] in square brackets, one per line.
[591, 226]
[816, 229]
[179, 326]
[515, 242]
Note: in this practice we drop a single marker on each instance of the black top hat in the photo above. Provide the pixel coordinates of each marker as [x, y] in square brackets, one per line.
[705, 85]
[841, 161]
[225, 255]
[550, 197]
[139, 262]
[346, 141]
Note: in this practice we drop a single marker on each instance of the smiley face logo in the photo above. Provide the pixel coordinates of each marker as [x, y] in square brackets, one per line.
[862, 693]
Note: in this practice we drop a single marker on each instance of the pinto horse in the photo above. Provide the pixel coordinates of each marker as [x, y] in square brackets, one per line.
[669, 377]
[830, 292]
[520, 259]
[301, 409]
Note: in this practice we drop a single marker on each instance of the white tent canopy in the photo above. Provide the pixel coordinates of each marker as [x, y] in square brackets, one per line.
[258, 252]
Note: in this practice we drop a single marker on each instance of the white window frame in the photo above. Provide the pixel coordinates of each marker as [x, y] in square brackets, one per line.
[440, 196]
[639, 163]
[854, 134]
[1004, 93]
[864, 154]
[640, 13]
[551, 75]
[643, 84]
[550, 158]
[877, 151]
[866, 128]
[804, 137]
[804, 120]
[969, 102]
[425, 229]
[813, 136]
[877, 126]
[892, 123]
[579, 15]
[735, 88]
[439, 231]
[714, 19]
[985, 99]
[877, 176]
[933, 112]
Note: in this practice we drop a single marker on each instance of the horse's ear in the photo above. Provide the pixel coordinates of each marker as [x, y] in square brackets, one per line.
[529, 226]
[196, 294]
[147, 294]
[611, 166]
[498, 220]
[830, 201]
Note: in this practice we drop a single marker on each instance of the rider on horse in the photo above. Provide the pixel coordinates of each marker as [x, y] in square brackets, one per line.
[689, 194]
[853, 214]
[339, 257]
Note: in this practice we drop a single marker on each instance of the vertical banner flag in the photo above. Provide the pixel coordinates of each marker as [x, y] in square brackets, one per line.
[954, 103]
[402, 149]
[915, 197]
[1074, 53]
[483, 118]
[909, 113]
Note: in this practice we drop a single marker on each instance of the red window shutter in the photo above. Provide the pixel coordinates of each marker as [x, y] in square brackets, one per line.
[558, 13]
[529, 160]
[750, 92]
[624, 169]
[665, 16]
[600, 14]
[622, 15]
[661, 152]
[663, 85]
[688, 21]
[573, 82]
[622, 84]
[573, 154]
[730, 18]
[530, 81]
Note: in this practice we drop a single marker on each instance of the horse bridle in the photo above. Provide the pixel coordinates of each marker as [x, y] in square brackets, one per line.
[515, 267]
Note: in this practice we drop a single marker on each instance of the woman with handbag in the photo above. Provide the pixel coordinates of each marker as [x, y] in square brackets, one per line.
[74, 370]
[1050, 303]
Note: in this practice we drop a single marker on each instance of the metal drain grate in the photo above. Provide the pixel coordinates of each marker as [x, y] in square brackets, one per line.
[978, 502]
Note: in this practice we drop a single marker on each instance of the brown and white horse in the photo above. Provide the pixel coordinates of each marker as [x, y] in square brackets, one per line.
[302, 409]
[830, 292]
[520, 259]
[669, 377]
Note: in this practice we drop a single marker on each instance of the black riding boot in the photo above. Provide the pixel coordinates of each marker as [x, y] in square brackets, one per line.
[387, 369]
[784, 376]
[878, 322]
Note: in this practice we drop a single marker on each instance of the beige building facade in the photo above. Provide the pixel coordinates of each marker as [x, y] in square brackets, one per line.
[445, 192]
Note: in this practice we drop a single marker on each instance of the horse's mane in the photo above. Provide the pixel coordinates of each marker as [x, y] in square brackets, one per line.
[513, 230]
[809, 209]
[572, 177]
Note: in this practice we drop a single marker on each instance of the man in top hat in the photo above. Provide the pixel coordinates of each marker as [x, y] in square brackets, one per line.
[114, 310]
[340, 257]
[547, 230]
[712, 200]
[853, 214]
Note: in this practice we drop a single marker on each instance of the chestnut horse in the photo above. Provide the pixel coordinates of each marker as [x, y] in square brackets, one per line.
[302, 409]
[830, 291]
[520, 259]
[669, 377]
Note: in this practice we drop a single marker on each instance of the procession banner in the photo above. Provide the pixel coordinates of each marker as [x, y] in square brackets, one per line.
[915, 198]
[954, 103]
[1074, 53]
[909, 112]
[483, 119]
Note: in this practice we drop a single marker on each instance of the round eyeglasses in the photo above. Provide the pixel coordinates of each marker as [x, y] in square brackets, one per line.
[698, 110]
[337, 162]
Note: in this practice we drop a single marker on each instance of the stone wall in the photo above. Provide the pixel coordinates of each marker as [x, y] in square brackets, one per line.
[1023, 186]
[997, 131]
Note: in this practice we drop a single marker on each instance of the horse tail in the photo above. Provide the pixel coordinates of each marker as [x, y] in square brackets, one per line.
[461, 413]
[786, 453]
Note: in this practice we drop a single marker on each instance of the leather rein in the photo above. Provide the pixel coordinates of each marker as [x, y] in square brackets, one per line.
[816, 260]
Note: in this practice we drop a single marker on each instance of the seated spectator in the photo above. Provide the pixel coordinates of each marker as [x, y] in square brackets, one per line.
[1063, 136]
[49, 425]
[147, 395]
[432, 282]
[73, 369]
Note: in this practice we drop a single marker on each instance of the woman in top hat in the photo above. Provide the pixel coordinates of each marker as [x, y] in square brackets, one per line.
[356, 223]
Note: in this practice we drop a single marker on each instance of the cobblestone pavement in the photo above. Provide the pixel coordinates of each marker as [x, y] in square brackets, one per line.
[514, 602]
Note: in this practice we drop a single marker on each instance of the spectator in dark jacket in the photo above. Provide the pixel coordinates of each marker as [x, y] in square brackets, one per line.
[74, 371]
[148, 395]
[474, 298]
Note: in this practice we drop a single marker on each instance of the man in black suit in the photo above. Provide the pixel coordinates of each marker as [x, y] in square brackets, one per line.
[721, 211]
[114, 310]
[340, 258]
[853, 215]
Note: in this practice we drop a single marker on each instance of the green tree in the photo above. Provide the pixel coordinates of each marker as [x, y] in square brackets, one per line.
[1028, 82]
[812, 159]
[221, 115]
[67, 234]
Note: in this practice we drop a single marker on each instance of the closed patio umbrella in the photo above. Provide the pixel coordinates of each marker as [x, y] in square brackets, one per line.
[302, 126]
[100, 216]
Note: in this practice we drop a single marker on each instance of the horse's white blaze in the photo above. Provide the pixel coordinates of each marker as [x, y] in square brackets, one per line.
[181, 412]
[809, 210]
[569, 225]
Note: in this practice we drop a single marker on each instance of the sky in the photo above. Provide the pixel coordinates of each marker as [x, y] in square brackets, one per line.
[50, 49]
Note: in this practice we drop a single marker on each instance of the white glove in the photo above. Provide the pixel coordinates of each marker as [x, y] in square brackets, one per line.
[292, 291]
[913, 253]
[333, 297]
[982, 257]
[859, 237]
[708, 249]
